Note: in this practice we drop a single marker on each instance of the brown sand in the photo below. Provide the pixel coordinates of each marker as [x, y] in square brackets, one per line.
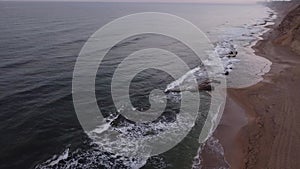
[269, 138]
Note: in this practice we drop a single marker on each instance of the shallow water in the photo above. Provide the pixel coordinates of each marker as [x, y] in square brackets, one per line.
[39, 44]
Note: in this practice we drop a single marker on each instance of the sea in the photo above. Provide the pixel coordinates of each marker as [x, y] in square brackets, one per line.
[39, 45]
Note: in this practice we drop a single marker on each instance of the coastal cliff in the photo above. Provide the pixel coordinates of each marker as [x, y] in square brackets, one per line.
[287, 33]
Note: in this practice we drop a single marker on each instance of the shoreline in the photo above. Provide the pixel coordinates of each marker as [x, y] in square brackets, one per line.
[223, 148]
[266, 138]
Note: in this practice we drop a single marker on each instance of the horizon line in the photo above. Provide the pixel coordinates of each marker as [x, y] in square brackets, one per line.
[134, 1]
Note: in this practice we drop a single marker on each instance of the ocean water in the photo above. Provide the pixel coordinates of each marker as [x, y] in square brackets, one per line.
[39, 45]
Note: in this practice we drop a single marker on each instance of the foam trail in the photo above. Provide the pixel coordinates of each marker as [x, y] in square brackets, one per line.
[214, 156]
[226, 51]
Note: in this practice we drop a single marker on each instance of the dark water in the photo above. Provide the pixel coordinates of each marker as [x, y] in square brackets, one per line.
[39, 44]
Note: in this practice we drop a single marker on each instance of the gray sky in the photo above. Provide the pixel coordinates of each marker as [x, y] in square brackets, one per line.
[203, 1]
[177, 1]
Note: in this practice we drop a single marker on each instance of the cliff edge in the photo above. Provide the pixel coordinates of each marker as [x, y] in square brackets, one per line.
[287, 33]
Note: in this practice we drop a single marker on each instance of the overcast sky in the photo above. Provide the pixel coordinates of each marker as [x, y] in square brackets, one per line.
[199, 1]
[203, 1]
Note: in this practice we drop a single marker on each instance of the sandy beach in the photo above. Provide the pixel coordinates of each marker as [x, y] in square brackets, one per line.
[260, 127]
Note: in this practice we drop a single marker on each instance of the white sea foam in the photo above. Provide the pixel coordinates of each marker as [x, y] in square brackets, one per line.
[225, 50]
[215, 153]
[55, 159]
[130, 141]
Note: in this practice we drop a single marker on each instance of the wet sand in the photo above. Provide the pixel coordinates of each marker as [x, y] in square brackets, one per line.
[260, 127]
